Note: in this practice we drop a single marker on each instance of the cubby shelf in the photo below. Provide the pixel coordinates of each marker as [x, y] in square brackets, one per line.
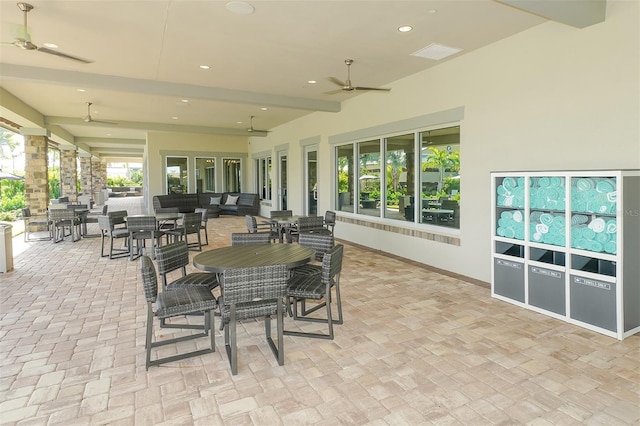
[566, 244]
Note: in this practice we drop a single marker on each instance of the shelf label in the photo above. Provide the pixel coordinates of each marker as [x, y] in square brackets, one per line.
[508, 264]
[546, 272]
[592, 283]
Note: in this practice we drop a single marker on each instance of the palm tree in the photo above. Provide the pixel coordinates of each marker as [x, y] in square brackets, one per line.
[440, 159]
[396, 160]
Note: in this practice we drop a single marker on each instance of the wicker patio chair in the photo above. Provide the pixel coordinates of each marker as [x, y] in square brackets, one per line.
[141, 229]
[113, 226]
[182, 301]
[63, 220]
[240, 238]
[203, 223]
[317, 287]
[253, 293]
[37, 222]
[191, 224]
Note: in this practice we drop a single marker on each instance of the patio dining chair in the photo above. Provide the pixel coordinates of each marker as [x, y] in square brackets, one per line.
[317, 287]
[203, 224]
[113, 226]
[141, 229]
[321, 244]
[253, 293]
[36, 223]
[243, 238]
[179, 302]
[93, 218]
[253, 227]
[63, 220]
[330, 220]
[191, 224]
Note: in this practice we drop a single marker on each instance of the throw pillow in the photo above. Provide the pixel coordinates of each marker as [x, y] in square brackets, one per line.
[215, 200]
[232, 200]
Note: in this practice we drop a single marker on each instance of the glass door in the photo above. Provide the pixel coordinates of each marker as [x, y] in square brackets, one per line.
[282, 180]
[311, 179]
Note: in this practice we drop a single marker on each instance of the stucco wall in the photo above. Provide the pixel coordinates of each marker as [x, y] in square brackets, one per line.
[550, 98]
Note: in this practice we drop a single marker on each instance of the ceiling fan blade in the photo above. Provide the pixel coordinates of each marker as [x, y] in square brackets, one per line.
[63, 55]
[102, 122]
[335, 92]
[372, 88]
[337, 82]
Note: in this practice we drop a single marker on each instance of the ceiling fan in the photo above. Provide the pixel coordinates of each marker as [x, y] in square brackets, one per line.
[88, 119]
[23, 39]
[346, 86]
[251, 129]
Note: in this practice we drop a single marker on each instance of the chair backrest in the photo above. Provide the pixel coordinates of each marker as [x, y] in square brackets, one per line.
[191, 222]
[204, 213]
[248, 284]
[310, 223]
[26, 213]
[330, 217]
[172, 256]
[240, 238]
[252, 223]
[141, 223]
[332, 263]
[275, 214]
[319, 242]
[59, 215]
[149, 278]
[117, 217]
[105, 209]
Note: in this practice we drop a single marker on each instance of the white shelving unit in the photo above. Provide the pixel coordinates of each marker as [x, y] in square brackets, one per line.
[567, 244]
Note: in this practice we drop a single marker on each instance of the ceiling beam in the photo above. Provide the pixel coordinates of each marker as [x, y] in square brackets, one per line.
[577, 13]
[87, 139]
[162, 88]
[160, 127]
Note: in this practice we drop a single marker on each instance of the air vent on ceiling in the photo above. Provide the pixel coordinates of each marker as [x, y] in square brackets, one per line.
[436, 51]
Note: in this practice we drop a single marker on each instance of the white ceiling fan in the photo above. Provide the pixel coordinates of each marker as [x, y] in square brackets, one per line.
[251, 129]
[23, 39]
[346, 86]
[88, 119]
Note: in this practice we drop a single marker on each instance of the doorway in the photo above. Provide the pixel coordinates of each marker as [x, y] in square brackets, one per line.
[311, 179]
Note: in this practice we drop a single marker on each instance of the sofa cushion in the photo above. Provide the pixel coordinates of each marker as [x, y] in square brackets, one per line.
[215, 200]
[232, 200]
[247, 199]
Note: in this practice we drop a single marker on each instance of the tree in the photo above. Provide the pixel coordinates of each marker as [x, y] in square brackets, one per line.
[440, 159]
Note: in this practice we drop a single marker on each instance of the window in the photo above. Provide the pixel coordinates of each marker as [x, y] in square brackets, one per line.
[394, 183]
[232, 175]
[205, 174]
[177, 173]
[263, 177]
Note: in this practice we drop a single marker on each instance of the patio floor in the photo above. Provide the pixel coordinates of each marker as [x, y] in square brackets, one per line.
[417, 347]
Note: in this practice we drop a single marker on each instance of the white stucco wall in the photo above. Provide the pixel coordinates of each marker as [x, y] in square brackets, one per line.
[550, 98]
[160, 144]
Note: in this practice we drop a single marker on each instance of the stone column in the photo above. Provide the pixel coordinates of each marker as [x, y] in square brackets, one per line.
[99, 175]
[86, 174]
[36, 180]
[68, 174]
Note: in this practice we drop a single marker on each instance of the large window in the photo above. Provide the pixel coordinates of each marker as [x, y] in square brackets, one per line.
[177, 173]
[263, 177]
[390, 181]
[205, 174]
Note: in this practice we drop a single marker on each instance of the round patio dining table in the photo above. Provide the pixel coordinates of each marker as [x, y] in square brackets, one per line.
[245, 256]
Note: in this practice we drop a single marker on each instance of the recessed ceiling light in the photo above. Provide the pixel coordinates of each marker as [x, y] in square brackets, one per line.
[174, 118]
[431, 11]
[436, 51]
[81, 90]
[264, 108]
[185, 100]
[240, 8]
[205, 67]
[312, 82]
[405, 28]
[108, 134]
[51, 45]
[238, 122]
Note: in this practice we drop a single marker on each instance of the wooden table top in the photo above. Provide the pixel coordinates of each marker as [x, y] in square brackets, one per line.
[220, 259]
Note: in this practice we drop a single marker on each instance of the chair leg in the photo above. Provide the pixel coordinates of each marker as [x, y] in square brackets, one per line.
[147, 343]
[230, 341]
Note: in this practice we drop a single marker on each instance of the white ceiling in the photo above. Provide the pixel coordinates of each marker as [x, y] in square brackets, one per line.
[146, 57]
